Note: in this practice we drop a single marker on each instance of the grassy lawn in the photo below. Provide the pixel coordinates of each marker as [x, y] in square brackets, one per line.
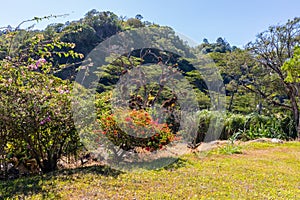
[261, 171]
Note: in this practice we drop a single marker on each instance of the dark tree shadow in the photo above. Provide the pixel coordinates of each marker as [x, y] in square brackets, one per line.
[167, 163]
[179, 163]
[18, 188]
[30, 185]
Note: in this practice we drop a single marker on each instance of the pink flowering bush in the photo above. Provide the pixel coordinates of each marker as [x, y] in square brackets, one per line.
[36, 118]
[35, 109]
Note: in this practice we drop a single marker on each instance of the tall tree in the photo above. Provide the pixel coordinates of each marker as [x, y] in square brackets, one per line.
[237, 69]
[271, 49]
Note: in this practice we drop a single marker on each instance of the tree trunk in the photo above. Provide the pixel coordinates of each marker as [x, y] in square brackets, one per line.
[231, 102]
[232, 96]
[298, 130]
[297, 123]
[295, 114]
[49, 165]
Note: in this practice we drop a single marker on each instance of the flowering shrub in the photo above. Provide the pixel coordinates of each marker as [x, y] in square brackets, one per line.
[135, 128]
[35, 113]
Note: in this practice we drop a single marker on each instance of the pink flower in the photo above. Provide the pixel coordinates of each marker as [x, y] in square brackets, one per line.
[63, 91]
[40, 62]
[32, 67]
[155, 122]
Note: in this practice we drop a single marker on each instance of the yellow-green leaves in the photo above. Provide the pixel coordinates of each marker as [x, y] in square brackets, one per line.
[292, 67]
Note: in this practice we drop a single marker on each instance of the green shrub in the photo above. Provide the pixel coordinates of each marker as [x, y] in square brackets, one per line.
[233, 123]
[258, 126]
[210, 127]
[245, 127]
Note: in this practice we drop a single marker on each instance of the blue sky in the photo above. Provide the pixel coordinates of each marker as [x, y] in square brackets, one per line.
[236, 21]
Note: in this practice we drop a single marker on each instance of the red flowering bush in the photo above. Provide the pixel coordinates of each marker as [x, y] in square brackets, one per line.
[135, 128]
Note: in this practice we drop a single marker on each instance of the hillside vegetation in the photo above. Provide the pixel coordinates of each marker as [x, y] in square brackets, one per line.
[115, 90]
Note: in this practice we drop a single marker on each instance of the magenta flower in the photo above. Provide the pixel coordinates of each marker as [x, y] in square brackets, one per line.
[40, 62]
[155, 122]
[47, 119]
[32, 67]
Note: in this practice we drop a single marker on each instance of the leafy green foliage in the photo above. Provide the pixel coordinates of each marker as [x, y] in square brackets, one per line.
[292, 67]
[246, 127]
[135, 23]
[257, 126]
[36, 120]
[220, 46]
[230, 149]
[273, 48]
[36, 116]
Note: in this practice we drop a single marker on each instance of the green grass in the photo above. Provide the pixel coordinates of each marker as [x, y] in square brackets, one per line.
[259, 171]
[230, 149]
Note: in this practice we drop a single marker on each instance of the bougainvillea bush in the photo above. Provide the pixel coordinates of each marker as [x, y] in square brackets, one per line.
[35, 115]
[35, 110]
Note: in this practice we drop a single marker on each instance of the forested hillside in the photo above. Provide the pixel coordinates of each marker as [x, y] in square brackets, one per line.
[38, 69]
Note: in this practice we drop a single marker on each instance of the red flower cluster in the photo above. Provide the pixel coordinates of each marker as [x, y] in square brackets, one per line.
[136, 128]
